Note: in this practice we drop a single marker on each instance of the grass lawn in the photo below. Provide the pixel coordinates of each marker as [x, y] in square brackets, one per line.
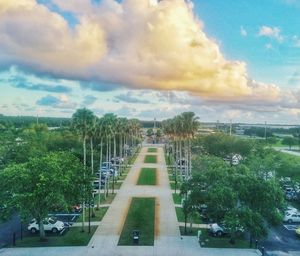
[180, 216]
[107, 200]
[172, 185]
[289, 167]
[149, 159]
[133, 157]
[141, 216]
[71, 237]
[152, 150]
[117, 185]
[170, 171]
[220, 242]
[169, 160]
[99, 214]
[147, 176]
[124, 174]
[176, 198]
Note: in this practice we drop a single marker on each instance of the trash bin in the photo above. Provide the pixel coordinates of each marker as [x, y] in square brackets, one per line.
[136, 237]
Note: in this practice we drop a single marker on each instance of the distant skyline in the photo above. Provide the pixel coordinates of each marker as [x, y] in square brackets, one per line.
[233, 59]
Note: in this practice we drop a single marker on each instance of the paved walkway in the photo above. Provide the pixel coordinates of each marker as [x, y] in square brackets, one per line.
[167, 236]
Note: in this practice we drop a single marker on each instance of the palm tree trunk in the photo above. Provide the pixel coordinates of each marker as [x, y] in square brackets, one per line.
[121, 155]
[180, 158]
[100, 174]
[190, 154]
[105, 186]
[84, 164]
[109, 161]
[92, 155]
[115, 152]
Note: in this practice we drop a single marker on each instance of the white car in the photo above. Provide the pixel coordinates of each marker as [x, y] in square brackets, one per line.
[292, 217]
[50, 224]
[220, 230]
[290, 209]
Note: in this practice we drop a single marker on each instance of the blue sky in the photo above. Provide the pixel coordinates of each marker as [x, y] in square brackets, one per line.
[224, 19]
[233, 59]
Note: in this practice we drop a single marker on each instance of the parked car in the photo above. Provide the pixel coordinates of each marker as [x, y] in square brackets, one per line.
[50, 224]
[291, 217]
[103, 174]
[118, 160]
[76, 208]
[220, 230]
[182, 163]
[107, 165]
[114, 173]
[96, 184]
[106, 172]
[291, 196]
[291, 209]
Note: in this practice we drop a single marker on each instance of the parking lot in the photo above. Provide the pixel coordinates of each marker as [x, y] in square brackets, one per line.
[282, 240]
[12, 226]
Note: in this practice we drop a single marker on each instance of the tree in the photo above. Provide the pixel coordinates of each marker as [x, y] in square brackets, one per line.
[82, 121]
[43, 185]
[233, 194]
[187, 208]
[289, 141]
[150, 132]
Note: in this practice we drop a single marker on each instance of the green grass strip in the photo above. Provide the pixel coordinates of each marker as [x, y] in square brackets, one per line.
[150, 159]
[71, 237]
[218, 242]
[141, 216]
[152, 150]
[147, 176]
[98, 214]
[180, 216]
[176, 198]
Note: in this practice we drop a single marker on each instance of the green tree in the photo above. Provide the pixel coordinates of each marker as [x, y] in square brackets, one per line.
[234, 193]
[43, 185]
[82, 121]
[150, 132]
[289, 141]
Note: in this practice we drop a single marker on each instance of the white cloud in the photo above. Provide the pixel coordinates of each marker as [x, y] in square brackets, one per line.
[296, 41]
[269, 46]
[140, 44]
[271, 32]
[243, 31]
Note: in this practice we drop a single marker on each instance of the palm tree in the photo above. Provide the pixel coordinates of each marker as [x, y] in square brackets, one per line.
[191, 126]
[91, 135]
[82, 120]
[100, 132]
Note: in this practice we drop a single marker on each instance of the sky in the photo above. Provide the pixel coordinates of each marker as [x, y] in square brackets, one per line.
[227, 60]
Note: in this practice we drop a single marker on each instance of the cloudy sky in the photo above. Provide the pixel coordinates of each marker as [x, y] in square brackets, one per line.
[233, 59]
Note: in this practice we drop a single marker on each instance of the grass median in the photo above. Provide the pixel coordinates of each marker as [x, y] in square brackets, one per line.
[152, 150]
[141, 216]
[147, 176]
[150, 159]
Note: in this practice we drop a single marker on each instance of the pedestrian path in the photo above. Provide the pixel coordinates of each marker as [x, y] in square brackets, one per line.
[168, 240]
